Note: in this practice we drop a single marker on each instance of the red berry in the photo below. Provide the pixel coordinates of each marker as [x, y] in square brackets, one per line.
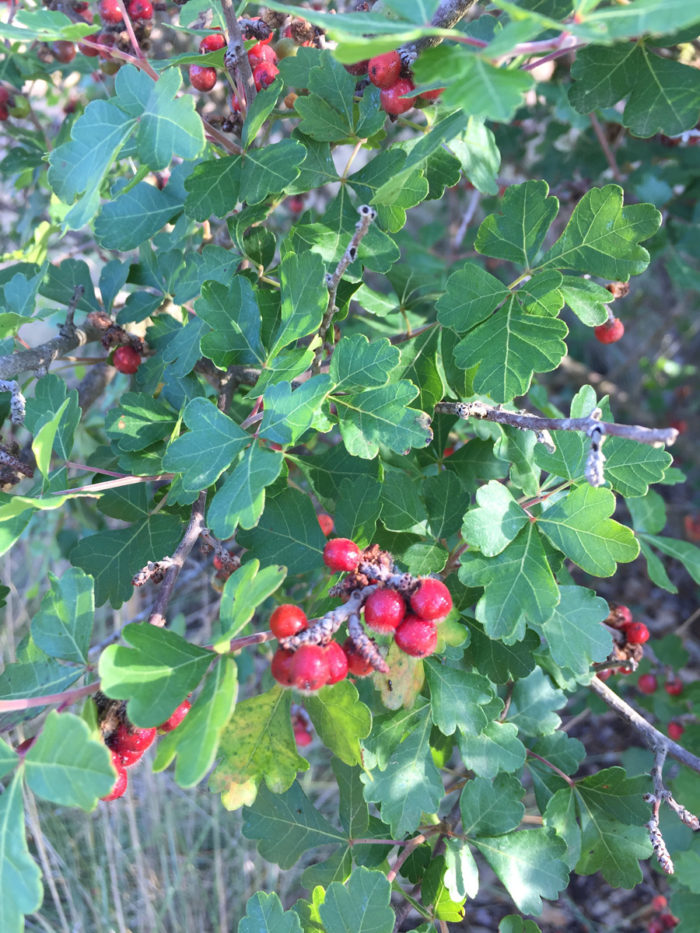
[337, 662]
[130, 746]
[261, 52]
[659, 903]
[126, 360]
[140, 9]
[287, 620]
[606, 674]
[107, 39]
[202, 77]
[384, 70]
[235, 104]
[281, 667]
[341, 554]
[384, 610]
[610, 332]
[668, 921]
[4, 94]
[655, 926]
[431, 600]
[302, 736]
[325, 521]
[296, 206]
[647, 683]
[680, 424]
[359, 68]
[119, 787]
[675, 730]
[110, 12]
[416, 637]
[431, 95]
[310, 668]
[212, 43]
[88, 50]
[176, 717]
[636, 633]
[622, 616]
[63, 52]
[357, 665]
[264, 74]
[392, 99]
[673, 687]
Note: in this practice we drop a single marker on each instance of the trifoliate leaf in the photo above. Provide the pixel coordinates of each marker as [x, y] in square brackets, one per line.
[211, 431]
[382, 416]
[499, 662]
[457, 698]
[285, 825]
[631, 468]
[517, 232]
[340, 719]
[579, 525]
[389, 730]
[20, 878]
[257, 744]
[495, 522]
[497, 748]
[63, 625]
[360, 906]
[375, 184]
[519, 586]
[155, 674]
[264, 913]
[66, 766]
[575, 634]
[357, 364]
[533, 702]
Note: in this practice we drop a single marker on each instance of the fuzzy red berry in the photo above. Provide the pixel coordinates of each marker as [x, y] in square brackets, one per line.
[610, 332]
[264, 74]
[296, 206]
[659, 903]
[606, 674]
[392, 98]
[212, 43]
[648, 684]
[357, 665]
[287, 620]
[126, 360]
[110, 12]
[622, 616]
[140, 9]
[174, 720]
[202, 77]
[417, 637]
[673, 687]
[636, 633]
[119, 788]
[359, 68]
[281, 667]
[63, 52]
[310, 668]
[261, 52]
[302, 737]
[326, 523]
[668, 921]
[675, 730]
[431, 600]
[384, 70]
[341, 554]
[131, 744]
[384, 610]
[337, 662]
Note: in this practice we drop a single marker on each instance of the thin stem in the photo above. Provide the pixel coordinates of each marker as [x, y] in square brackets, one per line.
[564, 777]
[135, 42]
[235, 59]
[68, 696]
[605, 146]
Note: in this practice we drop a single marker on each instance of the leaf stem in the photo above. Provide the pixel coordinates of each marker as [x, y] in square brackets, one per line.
[68, 696]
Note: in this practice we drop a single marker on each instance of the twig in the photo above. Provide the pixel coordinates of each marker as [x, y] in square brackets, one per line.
[38, 359]
[367, 215]
[235, 57]
[18, 404]
[605, 146]
[94, 383]
[14, 463]
[97, 489]
[68, 696]
[192, 533]
[69, 326]
[447, 15]
[467, 218]
[135, 42]
[657, 840]
[220, 138]
[651, 736]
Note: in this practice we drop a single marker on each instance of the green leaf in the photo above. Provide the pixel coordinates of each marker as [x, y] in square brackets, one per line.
[471, 295]
[256, 744]
[499, 662]
[586, 299]
[63, 625]
[402, 507]
[340, 719]
[479, 155]
[234, 317]
[241, 498]
[420, 363]
[155, 675]
[244, 591]
[685, 552]
[8, 758]
[360, 906]
[602, 237]
[508, 348]
[60, 284]
[271, 169]
[213, 188]
[20, 878]
[50, 396]
[462, 873]
[358, 364]
[517, 924]
[631, 468]
[286, 825]
[533, 702]
[42, 445]
[490, 808]
[445, 503]
[457, 698]
[434, 891]
[382, 416]
[409, 786]
[579, 525]
[517, 232]
[519, 586]
[497, 748]
[137, 215]
[662, 94]
[113, 557]
[357, 509]
[304, 299]
[575, 633]
[211, 431]
[288, 415]
[139, 421]
[265, 914]
[42, 25]
[644, 16]
[383, 183]
[495, 522]
[288, 533]
[66, 766]
[529, 865]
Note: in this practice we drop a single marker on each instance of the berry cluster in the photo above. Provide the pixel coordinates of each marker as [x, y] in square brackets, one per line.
[127, 744]
[389, 73]
[630, 636]
[397, 605]
[664, 919]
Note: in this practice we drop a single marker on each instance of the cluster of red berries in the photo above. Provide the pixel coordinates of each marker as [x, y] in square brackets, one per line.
[664, 919]
[609, 332]
[127, 744]
[397, 605]
[393, 78]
